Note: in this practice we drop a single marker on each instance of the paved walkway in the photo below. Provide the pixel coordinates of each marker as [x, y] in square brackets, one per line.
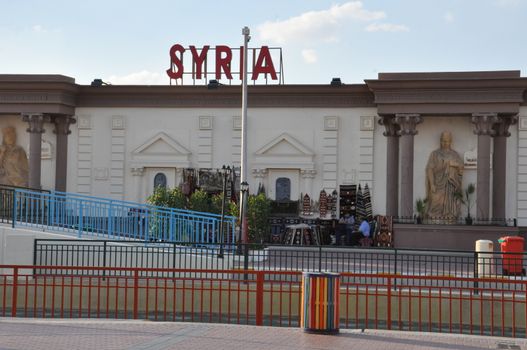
[102, 335]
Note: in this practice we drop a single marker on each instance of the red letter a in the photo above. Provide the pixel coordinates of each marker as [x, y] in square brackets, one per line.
[260, 68]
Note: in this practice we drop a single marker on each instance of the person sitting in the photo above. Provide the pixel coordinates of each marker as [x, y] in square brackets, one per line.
[364, 231]
[344, 228]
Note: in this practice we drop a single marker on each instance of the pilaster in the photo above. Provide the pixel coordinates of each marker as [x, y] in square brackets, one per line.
[407, 124]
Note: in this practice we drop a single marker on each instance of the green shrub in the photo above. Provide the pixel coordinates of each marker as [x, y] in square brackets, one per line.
[200, 201]
[170, 198]
[258, 211]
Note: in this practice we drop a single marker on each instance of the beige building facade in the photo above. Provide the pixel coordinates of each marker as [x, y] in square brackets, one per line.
[111, 141]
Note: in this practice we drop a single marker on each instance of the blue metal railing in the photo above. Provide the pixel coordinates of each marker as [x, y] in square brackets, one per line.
[89, 216]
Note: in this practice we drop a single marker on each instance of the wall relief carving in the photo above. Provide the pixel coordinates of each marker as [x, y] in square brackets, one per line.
[14, 167]
[444, 178]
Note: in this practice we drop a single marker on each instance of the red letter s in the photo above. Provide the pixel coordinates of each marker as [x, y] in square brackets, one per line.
[175, 60]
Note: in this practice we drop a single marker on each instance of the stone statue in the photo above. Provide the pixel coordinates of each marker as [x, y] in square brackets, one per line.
[444, 177]
[14, 167]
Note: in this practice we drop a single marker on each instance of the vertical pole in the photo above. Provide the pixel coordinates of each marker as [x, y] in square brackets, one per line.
[13, 220]
[35, 256]
[476, 273]
[136, 293]
[246, 38]
[395, 272]
[110, 219]
[225, 171]
[259, 297]
[15, 291]
[104, 259]
[80, 219]
[174, 260]
[389, 304]
[243, 176]
[320, 257]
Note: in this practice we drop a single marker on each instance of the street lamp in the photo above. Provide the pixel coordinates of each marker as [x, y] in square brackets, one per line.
[225, 171]
[244, 186]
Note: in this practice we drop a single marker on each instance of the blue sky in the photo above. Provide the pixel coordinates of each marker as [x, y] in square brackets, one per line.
[127, 42]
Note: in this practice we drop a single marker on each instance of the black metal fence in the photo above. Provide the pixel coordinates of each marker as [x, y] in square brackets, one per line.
[512, 222]
[500, 267]
[25, 207]
[6, 204]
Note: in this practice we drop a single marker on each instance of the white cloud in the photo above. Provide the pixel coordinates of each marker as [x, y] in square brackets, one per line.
[507, 3]
[316, 25]
[310, 56]
[449, 17]
[139, 78]
[37, 28]
[386, 27]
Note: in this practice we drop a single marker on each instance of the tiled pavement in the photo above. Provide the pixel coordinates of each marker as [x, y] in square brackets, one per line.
[103, 334]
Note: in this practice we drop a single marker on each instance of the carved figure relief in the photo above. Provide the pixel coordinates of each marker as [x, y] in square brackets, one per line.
[14, 167]
[444, 177]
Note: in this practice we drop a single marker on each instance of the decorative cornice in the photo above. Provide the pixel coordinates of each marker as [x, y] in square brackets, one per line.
[450, 93]
[308, 173]
[260, 173]
[137, 171]
[261, 96]
[52, 94]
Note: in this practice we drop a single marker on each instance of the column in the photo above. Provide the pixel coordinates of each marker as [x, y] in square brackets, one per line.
[483, 127]
[499, 165]
[307, 176]
[137, 173]
[407, 124]
[62, 130]
[392, 164]
[260, 177]
[35, 129]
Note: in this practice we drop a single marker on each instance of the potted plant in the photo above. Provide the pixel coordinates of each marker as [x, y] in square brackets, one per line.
[466, 199]
[420, 208]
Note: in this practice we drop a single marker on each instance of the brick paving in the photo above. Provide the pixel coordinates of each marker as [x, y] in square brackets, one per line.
[135, 335]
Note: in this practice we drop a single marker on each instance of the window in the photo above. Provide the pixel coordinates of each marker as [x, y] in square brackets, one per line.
[160, 180]
[283, 189]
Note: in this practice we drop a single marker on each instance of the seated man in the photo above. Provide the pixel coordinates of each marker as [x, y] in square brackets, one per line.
[364, 231]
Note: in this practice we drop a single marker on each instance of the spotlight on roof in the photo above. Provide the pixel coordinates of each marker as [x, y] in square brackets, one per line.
[98, 82]
[336, 82]
[213, 84]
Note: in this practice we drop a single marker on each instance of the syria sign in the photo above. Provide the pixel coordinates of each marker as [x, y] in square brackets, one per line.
[200, 65]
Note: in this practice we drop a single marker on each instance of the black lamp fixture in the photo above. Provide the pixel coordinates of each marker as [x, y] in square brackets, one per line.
[336, 82]
[98, 83]
[244, 187]
[213, 84]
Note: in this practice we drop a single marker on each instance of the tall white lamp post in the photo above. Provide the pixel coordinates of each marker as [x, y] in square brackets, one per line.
[244, 186]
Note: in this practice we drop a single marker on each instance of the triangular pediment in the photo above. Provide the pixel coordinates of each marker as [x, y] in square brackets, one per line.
[161, 151]
[161, 144]
[284, 145]
[284, 152]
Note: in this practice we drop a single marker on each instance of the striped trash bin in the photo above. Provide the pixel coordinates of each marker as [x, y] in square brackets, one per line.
[320, 302]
